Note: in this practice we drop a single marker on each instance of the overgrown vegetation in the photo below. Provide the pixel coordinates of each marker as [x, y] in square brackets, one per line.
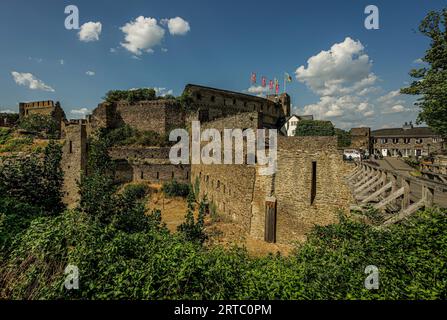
[176, 189]
[134, 95]
[11, 144]
[314, 128]
[29, 187]
[41, 124]
[414, 163]
[343, 138]
[190, 229]
[130, 96]
[11, 118]
[126, 135]
[5, 134]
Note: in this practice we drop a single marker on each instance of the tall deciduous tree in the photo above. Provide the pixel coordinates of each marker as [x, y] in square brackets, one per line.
[431, 81]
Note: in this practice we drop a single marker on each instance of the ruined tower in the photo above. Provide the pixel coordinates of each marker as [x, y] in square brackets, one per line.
[74, 159]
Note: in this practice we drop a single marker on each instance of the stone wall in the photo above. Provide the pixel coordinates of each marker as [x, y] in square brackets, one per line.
[151, 172]
[291, 185]
[149, 164]
[216, 103]
[159, 115]
[229, 187]
[239, 192]
[361, 139]
[139, 152]
[74, 161]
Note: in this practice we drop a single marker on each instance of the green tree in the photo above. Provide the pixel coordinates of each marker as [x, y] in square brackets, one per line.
[97, 188]
[315, 128]
[343, 138]
[40, 124]
[431, 80]
[190, 229]
[34, 180]
[130, 96]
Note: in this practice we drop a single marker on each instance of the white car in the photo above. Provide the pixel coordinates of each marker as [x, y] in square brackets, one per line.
[351, 154]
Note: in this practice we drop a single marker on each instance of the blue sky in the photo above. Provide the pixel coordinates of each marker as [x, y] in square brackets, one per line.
[352, 78]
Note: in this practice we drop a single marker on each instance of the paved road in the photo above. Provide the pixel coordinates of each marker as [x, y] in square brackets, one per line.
[401, 167]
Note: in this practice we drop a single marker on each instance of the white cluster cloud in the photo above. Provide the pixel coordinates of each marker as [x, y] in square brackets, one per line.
[177, 26]
[30, 81]
[8, 111]
[258, 90]
[80, 112]
[343, 79]
[90, 73]
[162, 92]
[142, 34]
[392, 102]
[90, 31]
[343, 69]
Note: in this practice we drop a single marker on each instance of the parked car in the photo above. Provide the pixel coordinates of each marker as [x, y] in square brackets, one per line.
[351, 154]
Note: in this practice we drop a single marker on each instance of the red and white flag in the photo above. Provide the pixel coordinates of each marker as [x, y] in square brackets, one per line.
[264, 82]
[271, 85]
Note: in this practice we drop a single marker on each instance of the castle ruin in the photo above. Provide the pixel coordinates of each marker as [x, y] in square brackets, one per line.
[306, 190]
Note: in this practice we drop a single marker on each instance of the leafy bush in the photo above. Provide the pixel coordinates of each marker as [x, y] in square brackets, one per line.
[176, 189]
[41, 124]
[315, 128]
[11, 118]
[343, 138]
[191, 230]
[414, 163]
[130, 96]
[16, 144]
[136, 191]
[34, 180]
[126, 135]
[5, 135]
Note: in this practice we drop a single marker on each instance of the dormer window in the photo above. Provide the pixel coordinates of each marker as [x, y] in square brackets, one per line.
[199, 96]
[213, 98]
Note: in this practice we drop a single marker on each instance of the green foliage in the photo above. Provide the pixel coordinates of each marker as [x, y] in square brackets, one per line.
[5, 135]
[315, 128]
[431, 80]
[130, 96]
[414, 163]
[15, 144]
[40, 124]
[189, 229]
[126, 135]
[12, 118]
[97, 188]
[153, 264]
[136, 191]
[343, 138]
[34, 180]
[197, 187]
[176, 189]
[185, 100]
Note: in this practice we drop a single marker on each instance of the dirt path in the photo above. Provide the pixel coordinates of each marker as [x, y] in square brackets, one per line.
[220, 230]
